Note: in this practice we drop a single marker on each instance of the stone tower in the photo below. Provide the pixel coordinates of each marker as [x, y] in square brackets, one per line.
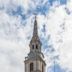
[34, 61]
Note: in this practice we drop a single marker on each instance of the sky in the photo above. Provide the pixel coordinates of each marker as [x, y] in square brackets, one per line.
[54, 18]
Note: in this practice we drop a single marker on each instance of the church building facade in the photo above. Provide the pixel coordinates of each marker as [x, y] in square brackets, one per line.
[34, 62]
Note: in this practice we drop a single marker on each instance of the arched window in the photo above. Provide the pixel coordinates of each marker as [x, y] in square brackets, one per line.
[32, 46]
[31, 67]
[36, 46]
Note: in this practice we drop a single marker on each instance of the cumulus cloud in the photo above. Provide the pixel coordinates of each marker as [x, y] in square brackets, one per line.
[54, 27]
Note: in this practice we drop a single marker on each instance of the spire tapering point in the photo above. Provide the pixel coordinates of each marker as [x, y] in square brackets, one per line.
[35, 31]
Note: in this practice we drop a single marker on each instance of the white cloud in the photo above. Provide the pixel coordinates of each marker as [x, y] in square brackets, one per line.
[69, 5]
[3, 2]
[66, 54]
[12, 52]
[12, 55]
[55, 19]
[13, 36]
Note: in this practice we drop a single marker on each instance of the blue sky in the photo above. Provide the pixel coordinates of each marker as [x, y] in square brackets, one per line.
[54, 18]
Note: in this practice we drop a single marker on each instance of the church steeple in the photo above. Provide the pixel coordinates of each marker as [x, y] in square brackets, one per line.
[35, 43]
[34, 62]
